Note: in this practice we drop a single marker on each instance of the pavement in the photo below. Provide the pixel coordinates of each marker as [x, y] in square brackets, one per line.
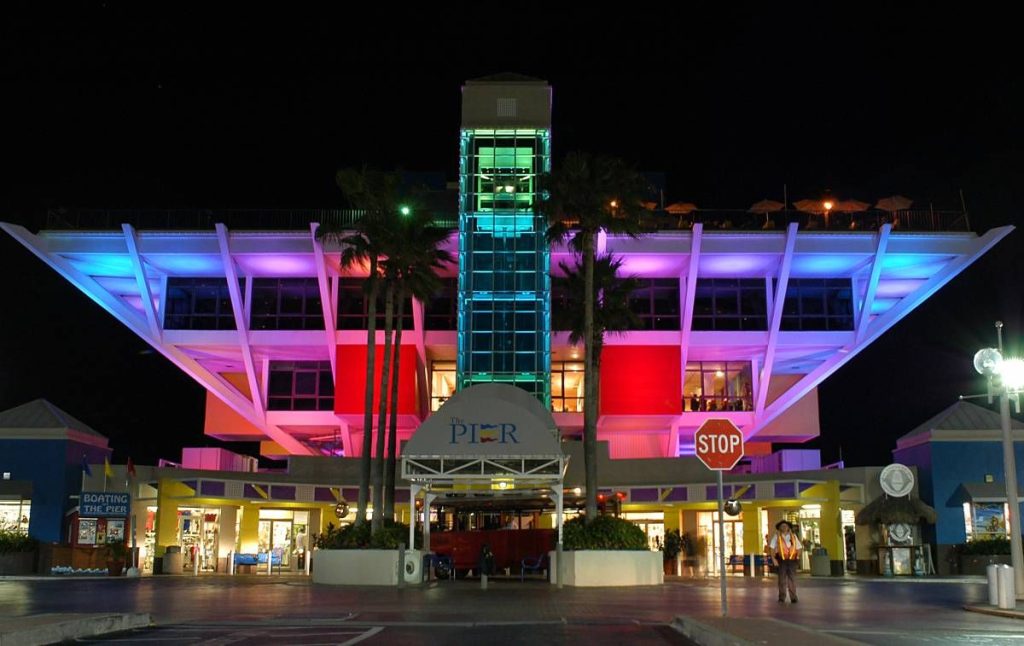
[60, 627]
[254, 609]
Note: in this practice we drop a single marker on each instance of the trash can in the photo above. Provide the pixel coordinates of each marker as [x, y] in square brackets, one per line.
[1007, 592]
[991, 572]
[172, 561]
[820, 563]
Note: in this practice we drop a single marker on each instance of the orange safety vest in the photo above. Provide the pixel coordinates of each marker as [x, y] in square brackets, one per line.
[786, 552]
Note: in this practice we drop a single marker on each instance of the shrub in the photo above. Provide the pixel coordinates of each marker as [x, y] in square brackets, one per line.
[604, 533]
[117, 551]
[15, 541]
[358, 537]
[673, 544]
[985, 546]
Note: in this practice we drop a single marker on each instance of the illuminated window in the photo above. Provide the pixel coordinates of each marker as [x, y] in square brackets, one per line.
[730, 304]
[985, 520]
[353, 307]
[566, 387]
[199, 304]
[286, 304]
[300, 385]
[718, 386]
[15, 515]
[442, 383]
[818, 304]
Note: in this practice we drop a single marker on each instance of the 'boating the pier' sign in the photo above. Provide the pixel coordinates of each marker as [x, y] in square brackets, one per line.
[104, 505]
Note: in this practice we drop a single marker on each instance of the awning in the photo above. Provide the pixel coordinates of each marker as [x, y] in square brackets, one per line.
[483, 434]
[887, 510]
[981, 492]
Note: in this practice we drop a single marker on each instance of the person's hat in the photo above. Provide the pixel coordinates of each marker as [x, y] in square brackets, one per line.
[779, 524]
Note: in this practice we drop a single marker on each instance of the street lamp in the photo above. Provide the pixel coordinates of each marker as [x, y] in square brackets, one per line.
[1007, 376]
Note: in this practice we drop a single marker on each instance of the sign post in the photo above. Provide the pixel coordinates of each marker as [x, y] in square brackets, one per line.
[719, 445]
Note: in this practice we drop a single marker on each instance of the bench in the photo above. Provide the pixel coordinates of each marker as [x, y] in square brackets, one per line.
[538, 564]
[250, 561]
[741, 560]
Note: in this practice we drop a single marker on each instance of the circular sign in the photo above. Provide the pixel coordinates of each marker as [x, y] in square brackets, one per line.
[341, 509]
[896, 480]
[718, 444]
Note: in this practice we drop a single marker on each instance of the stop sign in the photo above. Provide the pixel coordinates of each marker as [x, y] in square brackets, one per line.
[719, 444]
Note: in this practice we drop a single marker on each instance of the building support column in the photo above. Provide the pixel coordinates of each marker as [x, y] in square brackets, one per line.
[249, 529]
[753, 538]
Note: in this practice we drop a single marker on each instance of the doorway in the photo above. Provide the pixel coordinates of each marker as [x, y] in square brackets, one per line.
[707, 523]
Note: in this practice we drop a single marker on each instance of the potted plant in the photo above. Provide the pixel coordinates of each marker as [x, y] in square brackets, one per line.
[117, 553]
[607, 551]
[672, 549]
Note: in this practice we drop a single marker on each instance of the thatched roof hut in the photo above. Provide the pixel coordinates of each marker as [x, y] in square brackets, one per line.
[886, 510]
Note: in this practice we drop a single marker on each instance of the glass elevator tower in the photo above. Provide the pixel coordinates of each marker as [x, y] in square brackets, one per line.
[504, 260]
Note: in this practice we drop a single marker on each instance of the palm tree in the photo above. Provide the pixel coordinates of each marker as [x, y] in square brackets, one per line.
[419, 259]
[587, 194]
[611, 303]
[374, 194]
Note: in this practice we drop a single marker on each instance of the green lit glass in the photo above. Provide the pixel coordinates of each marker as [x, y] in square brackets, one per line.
[504, 286]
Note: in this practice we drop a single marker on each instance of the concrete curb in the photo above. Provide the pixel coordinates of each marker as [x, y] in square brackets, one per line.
[55, 628]
[746, 631]
[996, 612]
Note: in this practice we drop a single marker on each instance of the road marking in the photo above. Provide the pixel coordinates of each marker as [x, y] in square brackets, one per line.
[369, 633]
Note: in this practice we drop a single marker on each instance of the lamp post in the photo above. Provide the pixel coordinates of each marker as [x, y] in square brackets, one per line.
[1008, 377]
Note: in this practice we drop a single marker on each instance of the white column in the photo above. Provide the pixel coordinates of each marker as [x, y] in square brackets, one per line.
[414, 490]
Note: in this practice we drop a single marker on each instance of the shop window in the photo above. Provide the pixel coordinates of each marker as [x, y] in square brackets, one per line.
[442, 383]
[984, 520]
[566, 387]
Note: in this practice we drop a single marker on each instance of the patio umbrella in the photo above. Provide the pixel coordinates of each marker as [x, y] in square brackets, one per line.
[681, 208]
[894, 203]
[810, 206]
[851, 206]
[767, 206]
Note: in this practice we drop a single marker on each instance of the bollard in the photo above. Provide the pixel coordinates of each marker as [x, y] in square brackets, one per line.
[558, 565]
[401, 565]
[309, 557]
[993, 584]
[1007, 594]
[195, 561]
[483, 581]
[231, 563]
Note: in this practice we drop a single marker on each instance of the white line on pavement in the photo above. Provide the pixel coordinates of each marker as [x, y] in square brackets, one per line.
[369, 633]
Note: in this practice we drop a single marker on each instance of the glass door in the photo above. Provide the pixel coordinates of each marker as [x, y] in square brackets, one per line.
[708, 527]
[276, 534]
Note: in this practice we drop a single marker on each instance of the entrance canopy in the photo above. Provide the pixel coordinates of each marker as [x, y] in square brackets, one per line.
[493, 438]
[484, 434]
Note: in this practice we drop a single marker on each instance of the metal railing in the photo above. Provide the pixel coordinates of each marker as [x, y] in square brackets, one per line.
[728, 219]
[205, 219]
[657, 220]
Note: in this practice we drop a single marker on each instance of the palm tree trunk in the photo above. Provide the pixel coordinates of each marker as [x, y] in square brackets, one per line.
[378, 458]
[589, 380]
[371, 358]
[392, 453]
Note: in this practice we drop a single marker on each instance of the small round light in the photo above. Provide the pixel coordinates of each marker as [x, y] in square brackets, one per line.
[828, 205]
[404, 210]
[614, 204]
[987, 360]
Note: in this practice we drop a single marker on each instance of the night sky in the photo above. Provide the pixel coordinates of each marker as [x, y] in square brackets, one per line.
[113, 105]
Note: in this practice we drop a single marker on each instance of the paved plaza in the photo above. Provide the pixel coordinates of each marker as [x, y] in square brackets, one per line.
[219, 609]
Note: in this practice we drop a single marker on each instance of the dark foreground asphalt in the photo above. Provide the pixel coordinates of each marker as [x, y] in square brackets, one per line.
[240, 610]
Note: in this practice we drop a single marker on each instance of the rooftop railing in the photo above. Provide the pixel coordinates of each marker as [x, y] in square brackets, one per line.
[657, 220]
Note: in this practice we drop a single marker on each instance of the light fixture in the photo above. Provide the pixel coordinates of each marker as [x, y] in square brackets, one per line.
[719, 374]
[404, 210]
[827, 204]
[614, 204]
[1011, 371]
[577, 491]
[510, 189]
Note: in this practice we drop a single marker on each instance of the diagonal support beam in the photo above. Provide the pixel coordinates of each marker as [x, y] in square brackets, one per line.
[241, 324]
[880, 325]
[132, 241]
[778, 300]
[326, 302]
[688, 298]
[873, 277]
[129, 317]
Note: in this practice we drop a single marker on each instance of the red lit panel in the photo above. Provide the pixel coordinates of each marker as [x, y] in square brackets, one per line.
[350, 391]
[640, 380]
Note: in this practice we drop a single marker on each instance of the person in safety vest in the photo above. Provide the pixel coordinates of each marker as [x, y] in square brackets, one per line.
[785, 548]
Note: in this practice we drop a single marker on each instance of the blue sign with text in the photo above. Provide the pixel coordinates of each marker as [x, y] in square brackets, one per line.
[104, 505]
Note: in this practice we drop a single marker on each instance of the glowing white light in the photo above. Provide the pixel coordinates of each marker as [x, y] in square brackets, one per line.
[1011, 371]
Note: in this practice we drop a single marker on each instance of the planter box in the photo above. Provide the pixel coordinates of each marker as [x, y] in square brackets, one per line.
[976, 563]
[363, 567]
[17, 563]
[596, 568]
